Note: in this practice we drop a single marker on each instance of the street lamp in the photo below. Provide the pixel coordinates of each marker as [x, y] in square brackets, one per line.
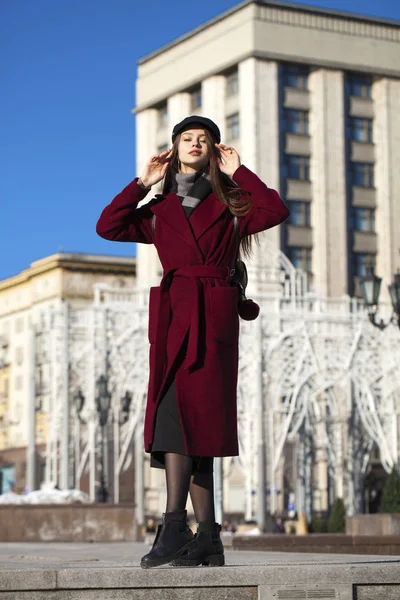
[79, 401]
[125, 405]
[103, 403]
[370, 286]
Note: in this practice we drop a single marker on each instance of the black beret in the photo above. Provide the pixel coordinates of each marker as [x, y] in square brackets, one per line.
[197, 120]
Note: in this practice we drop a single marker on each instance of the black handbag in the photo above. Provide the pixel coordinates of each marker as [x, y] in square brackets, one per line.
[248, 309]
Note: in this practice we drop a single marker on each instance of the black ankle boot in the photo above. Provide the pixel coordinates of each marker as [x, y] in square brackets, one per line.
[172, 537]
[206, 549]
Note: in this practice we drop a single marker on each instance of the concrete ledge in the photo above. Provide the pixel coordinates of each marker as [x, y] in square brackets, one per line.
[180, 593]
[28, 580]
[231, 576]
[104, 571]
[385, 545]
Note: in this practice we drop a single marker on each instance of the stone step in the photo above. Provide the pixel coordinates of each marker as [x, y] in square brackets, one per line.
[112, 571]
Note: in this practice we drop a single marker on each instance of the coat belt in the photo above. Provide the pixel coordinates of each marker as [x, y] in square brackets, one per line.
[194, 274]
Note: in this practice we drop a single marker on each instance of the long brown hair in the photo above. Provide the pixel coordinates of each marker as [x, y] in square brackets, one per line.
[237, 200]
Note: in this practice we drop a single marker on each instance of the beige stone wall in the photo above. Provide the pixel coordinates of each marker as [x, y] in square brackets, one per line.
[147, 127]
[386, 96]
[328, 176]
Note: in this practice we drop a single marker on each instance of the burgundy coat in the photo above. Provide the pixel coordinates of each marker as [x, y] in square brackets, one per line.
[194, 305]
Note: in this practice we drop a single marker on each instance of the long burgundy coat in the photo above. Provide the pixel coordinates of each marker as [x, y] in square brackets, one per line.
[194, 305]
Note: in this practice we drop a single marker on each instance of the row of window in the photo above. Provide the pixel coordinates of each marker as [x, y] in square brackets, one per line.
[360, 218]
[301, 258]
[298, 167]
[296, 76]
[357, 130]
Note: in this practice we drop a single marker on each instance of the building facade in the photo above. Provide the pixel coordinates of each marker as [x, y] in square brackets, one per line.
[55, 281]
[310, 98]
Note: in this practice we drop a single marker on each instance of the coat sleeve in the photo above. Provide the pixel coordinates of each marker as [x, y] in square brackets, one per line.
[122, 221]
[267, 208]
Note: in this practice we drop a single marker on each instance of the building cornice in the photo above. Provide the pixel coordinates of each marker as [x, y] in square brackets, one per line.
[72, 262]
[267, 56]
[303, 16]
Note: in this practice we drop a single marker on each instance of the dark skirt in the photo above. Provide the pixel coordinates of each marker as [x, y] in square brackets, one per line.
[168, 435]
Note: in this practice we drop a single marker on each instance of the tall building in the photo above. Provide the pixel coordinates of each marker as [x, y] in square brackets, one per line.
[47, 285]
[311, 100]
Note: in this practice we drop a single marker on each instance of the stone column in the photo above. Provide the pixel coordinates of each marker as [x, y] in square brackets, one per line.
[386, 135]
[148, 265]
[213, 101]
[328, 176]
[178, 109]
[259, 140]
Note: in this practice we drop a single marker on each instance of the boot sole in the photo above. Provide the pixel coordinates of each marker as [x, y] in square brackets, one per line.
[164, 561]
[214, 560]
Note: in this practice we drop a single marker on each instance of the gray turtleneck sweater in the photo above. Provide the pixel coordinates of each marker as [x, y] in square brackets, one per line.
[184, 182]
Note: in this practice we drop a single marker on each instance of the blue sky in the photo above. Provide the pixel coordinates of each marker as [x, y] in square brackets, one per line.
[67, 76]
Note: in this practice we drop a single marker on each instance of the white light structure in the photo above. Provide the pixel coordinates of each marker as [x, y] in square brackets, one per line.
[317, 382]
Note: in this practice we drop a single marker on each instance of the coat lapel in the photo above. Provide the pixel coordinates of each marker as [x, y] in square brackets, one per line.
[205, 215]
[190, 230]
[171, 212]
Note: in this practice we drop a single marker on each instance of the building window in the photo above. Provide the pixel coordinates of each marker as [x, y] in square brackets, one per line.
[195, 99]
[360, 86]
[295, 76]
[362, 219]
[360, 130]
[296, 121]
[362, 174]
[19, 381]
[232, 84]
[361, 262]
[300, 258]
[163, 116]
[19, 355]
[299, 213]
[232, 126]
[19, 325]
[296, 167]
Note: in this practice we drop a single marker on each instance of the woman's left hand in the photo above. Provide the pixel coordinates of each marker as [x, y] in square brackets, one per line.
[229, 160]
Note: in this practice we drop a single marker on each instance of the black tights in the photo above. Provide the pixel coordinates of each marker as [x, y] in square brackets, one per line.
[180, 481]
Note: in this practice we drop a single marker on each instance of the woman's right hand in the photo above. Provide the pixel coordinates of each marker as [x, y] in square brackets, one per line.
[156, 168]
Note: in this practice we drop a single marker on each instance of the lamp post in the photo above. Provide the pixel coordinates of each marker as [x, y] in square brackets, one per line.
[79, 401]
[370, 289]
[125, 406]
[103, 403]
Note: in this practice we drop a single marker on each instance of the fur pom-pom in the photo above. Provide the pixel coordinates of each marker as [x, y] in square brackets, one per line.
[248, 310]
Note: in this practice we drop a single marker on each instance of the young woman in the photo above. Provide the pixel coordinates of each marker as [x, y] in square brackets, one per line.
[193, 319]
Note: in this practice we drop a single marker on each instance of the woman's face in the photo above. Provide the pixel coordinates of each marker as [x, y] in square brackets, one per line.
[193, 150]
